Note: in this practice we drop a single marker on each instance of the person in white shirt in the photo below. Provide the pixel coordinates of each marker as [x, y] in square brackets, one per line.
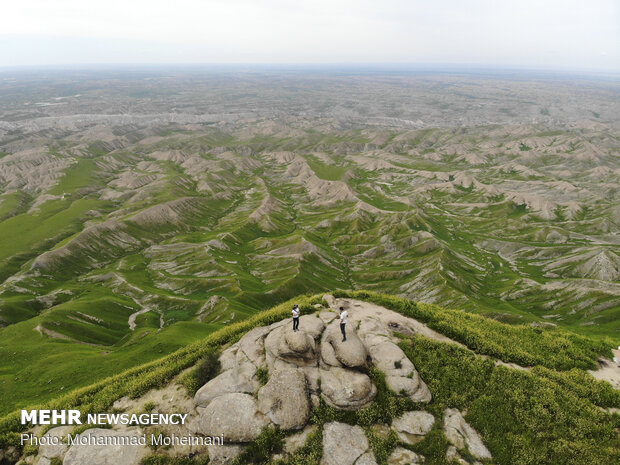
[295, 317]
[343, 323]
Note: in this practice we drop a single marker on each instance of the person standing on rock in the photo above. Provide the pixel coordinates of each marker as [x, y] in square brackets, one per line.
[295, 317]
[343, 323]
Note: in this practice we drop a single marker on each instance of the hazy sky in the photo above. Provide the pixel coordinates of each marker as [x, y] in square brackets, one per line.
[526, 33]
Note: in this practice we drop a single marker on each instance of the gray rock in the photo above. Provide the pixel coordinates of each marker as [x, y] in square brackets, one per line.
[345, 445]
[371, 328]
[240, 378]
[351, 353]
[346, 389]
[234, 415]
[390, 358]
[366, 459]
[312, 377]
[106, 454]
[252, 344]
[285, 400]
[412, 426]
[296, 344]
[413, 387]
[401, 375]
[224, 454]
[402, 456]
[460, 434]
[327, 316]
[312, 325]
[50, 450]
[328, 355]
[278, 348]
[228, 358]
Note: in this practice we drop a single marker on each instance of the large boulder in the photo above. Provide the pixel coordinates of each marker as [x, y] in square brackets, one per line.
[105, 454]
[240, 378]
[297, 344]
[401, 375]
[350, 353]
[292, 348]
[284, 399]
[345, 445]
[234, 415]
[390, 358]
[312, 325]
[461, 435]
[346, 389]
[412, 426]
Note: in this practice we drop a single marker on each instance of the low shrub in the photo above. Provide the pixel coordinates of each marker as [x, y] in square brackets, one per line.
[309, 454]
[202, 373]
[263, 375]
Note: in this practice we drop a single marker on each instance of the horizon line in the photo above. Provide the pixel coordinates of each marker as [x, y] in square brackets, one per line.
[402, 66]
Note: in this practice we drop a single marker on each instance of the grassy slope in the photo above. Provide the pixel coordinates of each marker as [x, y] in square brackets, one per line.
[457, 378]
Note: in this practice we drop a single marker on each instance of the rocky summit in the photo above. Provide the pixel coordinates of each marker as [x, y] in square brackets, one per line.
[275, 377]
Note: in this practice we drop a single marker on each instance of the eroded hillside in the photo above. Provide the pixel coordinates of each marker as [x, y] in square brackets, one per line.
[134, 223]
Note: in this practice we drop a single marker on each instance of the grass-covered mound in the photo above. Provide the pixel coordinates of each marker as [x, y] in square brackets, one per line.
[550, 414]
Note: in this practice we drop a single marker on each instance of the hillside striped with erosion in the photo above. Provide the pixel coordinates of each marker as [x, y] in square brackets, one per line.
[140, 212]
[481, 391]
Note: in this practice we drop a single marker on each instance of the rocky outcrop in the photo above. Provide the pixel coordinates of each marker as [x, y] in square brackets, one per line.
[461, 435]
[303, 367]
[346, 389]
[285, 399]
[48, 451]
[234, 415]
[401, 375]
[240, 378]
[412, 426]
[274, 377]
[345, 445]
